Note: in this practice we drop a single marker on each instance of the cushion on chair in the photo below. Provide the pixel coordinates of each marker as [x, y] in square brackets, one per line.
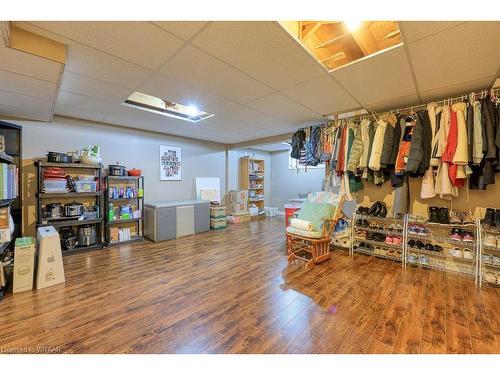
[315, 213]
[303, 233]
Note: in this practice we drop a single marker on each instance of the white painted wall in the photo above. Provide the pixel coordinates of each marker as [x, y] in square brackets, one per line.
[234, 170]
[288, 183]
[132, 148]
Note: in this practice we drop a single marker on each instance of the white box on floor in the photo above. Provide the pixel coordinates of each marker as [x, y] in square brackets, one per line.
[50, 266]
[24, 264]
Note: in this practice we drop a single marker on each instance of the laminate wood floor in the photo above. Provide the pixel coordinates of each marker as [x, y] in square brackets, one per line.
[232, 291]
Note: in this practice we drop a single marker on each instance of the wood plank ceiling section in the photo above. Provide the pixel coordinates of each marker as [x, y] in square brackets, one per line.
[337, 43]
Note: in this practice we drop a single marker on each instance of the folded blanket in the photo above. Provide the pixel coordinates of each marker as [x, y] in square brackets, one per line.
[301, 224]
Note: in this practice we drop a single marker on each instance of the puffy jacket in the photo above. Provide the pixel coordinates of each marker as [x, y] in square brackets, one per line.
[355, 153]
[378, 144]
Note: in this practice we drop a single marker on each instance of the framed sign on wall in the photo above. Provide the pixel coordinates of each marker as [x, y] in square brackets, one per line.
[170, 163]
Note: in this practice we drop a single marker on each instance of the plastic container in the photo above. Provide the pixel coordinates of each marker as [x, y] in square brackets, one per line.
[271, 211]
[55, 183]
[90, 215]
[85, 186]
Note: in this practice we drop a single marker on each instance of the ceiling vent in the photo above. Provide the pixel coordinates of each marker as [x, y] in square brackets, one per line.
[165, 107]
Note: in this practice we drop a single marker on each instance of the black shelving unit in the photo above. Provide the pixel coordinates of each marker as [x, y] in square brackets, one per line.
[65, 222]
[138, 202]
[12, 134]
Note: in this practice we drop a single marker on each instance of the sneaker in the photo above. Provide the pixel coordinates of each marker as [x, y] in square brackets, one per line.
[455, 234]
[429, 247]
[456, 252]
[411, 243]
[423, 231]
[420, 245]
[411, 259]
[389, 240]
[468, 254]
[487, 258]
[496, 261]
[444, 217]
[438, 248]
[468, 237]
[413, 229]
[468, 219]
[397, 240]
[490, 241]
[456, 218]
[422, 259]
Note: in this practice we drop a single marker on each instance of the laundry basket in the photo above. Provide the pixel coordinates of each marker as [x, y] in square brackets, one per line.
[271, 211]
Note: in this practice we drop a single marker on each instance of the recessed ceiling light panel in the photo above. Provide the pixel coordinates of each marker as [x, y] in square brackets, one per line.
[149, 103]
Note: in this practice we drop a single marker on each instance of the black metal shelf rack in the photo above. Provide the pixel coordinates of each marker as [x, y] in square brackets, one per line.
[138, 183]
[71, 222]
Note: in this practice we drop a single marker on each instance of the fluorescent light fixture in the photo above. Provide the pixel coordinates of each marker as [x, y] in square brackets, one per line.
[149, 103]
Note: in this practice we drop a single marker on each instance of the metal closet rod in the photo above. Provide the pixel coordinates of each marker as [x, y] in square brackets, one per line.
[478, 95]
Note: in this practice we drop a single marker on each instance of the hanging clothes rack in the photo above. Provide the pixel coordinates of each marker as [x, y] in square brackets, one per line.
[448, 101]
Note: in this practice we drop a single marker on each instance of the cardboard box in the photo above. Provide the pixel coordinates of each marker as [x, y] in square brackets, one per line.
[238, 196]
[237, 207]
[24, 264]
[241, 217]
[50, 269]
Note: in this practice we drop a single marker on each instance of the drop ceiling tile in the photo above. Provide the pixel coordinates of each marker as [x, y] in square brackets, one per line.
[264, 50]
[465, 53]
[23, 101]
[255, 118]
[167, 87]
[82, 85]
[85, 102]
[379, 77]
[281, 107]
[85, 114]
[101, 66]
[393, 104]
[141, 43]
[25, 85]
[183, 29]
[29, 65]
[202, 70]
[457, 89]
[323, 95]
[44, 114]
[415, 30]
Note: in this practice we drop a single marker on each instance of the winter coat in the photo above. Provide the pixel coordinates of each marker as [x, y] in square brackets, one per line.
[477, 145]
[378, 143]
[423, 116]
[461, 153]
[342, 152]
[398, 135]
[365, 138]
[416, 149]
[404, 149]
[487, 112]
[444, 127]
[385, 156]
[431, 111]
[355, 152]
[469, 120]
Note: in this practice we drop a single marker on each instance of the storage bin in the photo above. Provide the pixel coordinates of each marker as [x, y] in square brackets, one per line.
[55, 183]
[85, 186]
[271, 211]
[90, 215]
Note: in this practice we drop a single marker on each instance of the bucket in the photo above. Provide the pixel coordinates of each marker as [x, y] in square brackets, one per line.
[290, 210]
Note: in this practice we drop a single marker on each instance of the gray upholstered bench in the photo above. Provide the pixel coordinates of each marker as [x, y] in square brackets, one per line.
[164, 220]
